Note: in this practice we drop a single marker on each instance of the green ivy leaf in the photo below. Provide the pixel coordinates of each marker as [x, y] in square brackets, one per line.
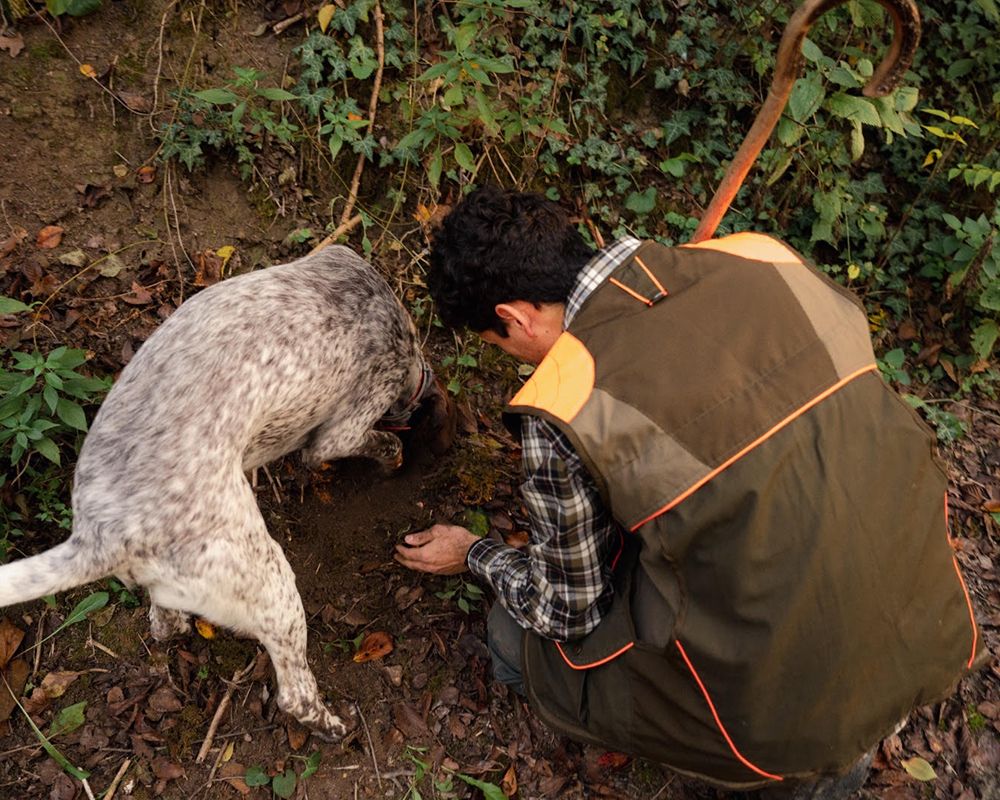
[312, 764]
[71, 414]
[283, 785]
[856, 109]
[69, 719]
[8, 305]
[80, 8]
[48, 448]
[217, 97]
[983, 338]
[463, 155]
[276, 94]
[477, 522]
[642, 202]
[434, 169]
[256, 776]
[806, 98]
[490, 790]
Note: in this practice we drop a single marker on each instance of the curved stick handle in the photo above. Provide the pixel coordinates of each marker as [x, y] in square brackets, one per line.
[888, 74]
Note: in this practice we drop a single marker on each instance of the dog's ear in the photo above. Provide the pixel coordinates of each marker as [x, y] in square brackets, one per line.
[441, 418]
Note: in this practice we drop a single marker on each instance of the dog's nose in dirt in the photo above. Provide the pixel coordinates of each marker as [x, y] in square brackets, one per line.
[439, 419]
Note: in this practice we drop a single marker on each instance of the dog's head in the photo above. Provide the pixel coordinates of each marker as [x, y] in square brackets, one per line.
[429, 416]
[435, 418]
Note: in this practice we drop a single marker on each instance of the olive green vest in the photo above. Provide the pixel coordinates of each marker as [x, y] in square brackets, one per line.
[788, 592]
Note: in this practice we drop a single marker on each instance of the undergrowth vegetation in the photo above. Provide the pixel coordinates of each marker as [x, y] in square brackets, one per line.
[629, 111]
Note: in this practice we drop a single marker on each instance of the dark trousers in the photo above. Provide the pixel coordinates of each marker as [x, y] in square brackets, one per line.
[503, 637]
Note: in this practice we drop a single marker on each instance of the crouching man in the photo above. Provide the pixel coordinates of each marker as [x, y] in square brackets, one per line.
[739, 563]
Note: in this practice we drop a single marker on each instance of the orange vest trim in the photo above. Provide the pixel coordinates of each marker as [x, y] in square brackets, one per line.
[562, 383]
[604, 660]
[718, 722]
[965, 590]
[755, 246]
[759, 440]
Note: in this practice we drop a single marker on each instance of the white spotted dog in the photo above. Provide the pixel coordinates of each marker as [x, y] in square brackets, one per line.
[305, 355]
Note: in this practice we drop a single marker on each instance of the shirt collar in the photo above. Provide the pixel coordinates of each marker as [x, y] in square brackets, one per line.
[595, 272]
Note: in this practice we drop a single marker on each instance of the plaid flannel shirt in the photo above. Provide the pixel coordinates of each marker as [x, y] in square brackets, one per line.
[560, 584]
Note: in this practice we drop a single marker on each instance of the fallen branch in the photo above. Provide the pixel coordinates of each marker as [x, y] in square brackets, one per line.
[352, 196]
[206, 745]
[110, 793]
[342, 228]
[371, 746]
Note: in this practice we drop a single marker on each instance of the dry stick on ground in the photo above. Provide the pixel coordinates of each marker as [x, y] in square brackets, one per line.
[371, 747]
[110, 793]
[238, 677]
[347, 222]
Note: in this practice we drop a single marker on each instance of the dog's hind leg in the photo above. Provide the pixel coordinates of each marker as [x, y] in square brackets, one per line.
[165, 623]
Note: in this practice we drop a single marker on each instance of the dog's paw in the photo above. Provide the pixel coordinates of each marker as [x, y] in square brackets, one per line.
[341, 725]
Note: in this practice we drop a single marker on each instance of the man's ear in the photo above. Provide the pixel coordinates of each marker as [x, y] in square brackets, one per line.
[517, 313]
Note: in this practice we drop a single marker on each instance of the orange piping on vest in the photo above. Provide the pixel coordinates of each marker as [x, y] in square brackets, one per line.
[718, 721]
[634, 294]
[604, 660]
[965, 590]
[652, 277]
[733, 459]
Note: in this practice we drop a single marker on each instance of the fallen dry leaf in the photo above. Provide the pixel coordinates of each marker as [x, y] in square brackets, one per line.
[136, 102]
[205, 629]
[509, 783]
[613, 760]
[140, 295]
[146, 174]
[12, 44]
[516, 539]
[11, 637]
[991, 506]
[55, 684]
[297, 734]
[209, 268]
[409, 721]
[374, 646]
[167, 770]
[164, 701]
[15, 678]
[233, 773]
[8, 245]
[50, 236]
[88, 71]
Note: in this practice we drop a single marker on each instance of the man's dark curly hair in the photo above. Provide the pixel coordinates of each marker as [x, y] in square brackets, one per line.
[498, 246]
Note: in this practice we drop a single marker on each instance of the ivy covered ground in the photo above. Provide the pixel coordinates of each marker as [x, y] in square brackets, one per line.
[149, 148]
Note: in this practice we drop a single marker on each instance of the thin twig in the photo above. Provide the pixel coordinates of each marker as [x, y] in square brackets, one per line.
[285, 24]
[238, 677]
[274, 486]
[352, 197]
[110, 793]
[344, 227]
[38, 643]
[87, 789]
[159, 62]
[371, 746]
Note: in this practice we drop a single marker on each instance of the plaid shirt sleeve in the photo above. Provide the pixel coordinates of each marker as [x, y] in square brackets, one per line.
[560, 584]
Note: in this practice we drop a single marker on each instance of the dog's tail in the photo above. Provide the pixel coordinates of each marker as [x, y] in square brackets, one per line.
[62, 567]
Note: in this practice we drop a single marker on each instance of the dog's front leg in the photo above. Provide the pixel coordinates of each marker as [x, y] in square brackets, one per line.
[330, 442]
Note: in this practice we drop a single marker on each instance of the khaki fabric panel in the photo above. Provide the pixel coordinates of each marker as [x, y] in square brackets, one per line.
[836, 319]
[713, 377]
[639, 463]
[822, 600]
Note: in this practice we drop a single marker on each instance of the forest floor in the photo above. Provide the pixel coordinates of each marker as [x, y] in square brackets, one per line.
[134, 238]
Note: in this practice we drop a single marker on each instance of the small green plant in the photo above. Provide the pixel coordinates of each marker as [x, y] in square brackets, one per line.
[284, 784]
[467, 595]
[236, 115]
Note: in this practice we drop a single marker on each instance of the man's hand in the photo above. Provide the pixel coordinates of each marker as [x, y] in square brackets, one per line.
[440, 550]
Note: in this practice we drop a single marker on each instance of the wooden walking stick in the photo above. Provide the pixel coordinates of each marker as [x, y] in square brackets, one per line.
[906, 37]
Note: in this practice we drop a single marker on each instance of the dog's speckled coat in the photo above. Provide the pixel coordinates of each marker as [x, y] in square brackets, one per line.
[305, 355]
